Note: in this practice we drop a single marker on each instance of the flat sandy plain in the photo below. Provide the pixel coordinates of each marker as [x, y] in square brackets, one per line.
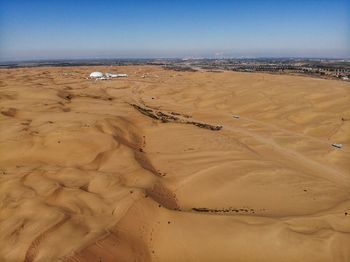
[131, 170]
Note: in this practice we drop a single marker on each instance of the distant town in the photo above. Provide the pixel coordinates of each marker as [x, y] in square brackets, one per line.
[338, 69]
[324, 68]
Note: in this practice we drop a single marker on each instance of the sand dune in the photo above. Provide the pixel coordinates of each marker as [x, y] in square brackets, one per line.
[158, 169]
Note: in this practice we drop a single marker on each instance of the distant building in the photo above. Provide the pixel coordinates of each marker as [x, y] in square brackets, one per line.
[101, 76]
[96, 75]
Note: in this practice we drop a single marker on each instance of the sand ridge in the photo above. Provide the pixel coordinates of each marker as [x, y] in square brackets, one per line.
[156, 168]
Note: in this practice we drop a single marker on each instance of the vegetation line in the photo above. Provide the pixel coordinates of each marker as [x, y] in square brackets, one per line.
[166, 118]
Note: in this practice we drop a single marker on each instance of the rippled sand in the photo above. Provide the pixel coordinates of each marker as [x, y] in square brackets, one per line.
[131, 170]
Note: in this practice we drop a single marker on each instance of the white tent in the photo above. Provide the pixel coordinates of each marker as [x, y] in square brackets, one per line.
[101, 76]
[96, 75]
[122, 75]
[111, 75]
[115, 75]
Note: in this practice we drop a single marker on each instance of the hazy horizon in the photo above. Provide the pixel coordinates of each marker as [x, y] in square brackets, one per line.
[173, 29]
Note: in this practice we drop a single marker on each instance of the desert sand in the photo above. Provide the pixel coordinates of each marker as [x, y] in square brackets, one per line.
[156, 167]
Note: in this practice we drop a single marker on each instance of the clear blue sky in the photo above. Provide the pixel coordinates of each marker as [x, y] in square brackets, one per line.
[33, 29]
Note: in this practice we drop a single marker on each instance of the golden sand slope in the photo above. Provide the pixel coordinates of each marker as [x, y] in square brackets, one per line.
[130, 170]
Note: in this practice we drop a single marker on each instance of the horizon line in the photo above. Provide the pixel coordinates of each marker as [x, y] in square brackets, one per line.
[167, 58]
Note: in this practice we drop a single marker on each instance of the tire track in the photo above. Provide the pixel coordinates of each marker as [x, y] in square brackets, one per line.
[322, 170]
[33, 249]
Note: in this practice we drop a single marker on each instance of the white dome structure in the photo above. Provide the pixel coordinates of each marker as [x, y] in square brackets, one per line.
[96, 75]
